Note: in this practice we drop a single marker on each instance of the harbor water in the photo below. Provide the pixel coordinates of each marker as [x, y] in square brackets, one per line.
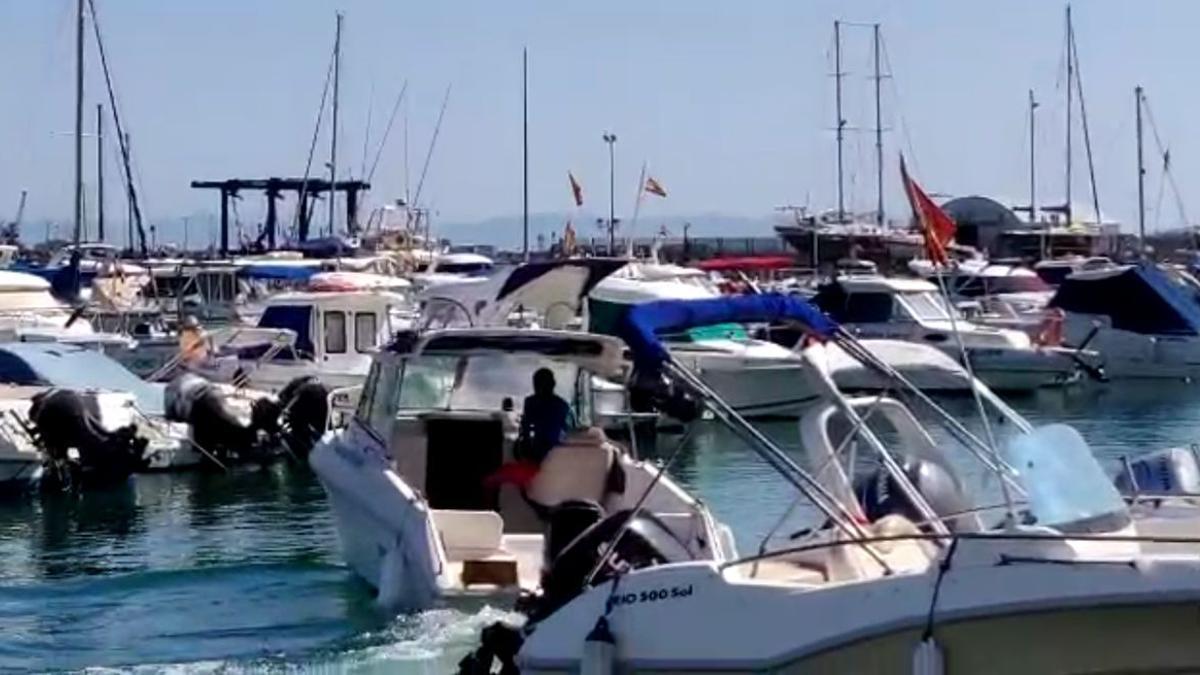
[241, 572]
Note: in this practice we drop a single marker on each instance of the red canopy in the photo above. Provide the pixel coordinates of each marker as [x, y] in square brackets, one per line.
[760, 262]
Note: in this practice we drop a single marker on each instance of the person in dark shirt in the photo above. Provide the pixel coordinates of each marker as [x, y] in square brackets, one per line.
[545, 420]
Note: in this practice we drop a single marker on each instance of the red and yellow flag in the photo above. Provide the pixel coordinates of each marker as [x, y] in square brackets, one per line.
[576, 190]
[654, 187]
[936, 226]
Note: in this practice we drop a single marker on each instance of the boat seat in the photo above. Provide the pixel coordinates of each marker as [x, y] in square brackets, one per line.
[785, 571]
[576, 470]
[469, 535]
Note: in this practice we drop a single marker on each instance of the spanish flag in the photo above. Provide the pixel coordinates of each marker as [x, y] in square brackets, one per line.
[576, 190]
[936, 226]
[654, 188]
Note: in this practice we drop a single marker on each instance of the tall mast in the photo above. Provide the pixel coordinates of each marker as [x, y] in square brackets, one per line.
[78, 121]
[879, 220]
[1070, 82]
[841, 123]
[1033, 104]
[1141, 171]
[525, 150]
[337, 58]
[100, 171]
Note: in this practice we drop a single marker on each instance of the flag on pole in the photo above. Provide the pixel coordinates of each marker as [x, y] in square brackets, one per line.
[936, 226]
[654, 187]
[576, 190]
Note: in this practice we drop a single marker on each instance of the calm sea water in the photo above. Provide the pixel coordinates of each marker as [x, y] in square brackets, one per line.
[241, 573]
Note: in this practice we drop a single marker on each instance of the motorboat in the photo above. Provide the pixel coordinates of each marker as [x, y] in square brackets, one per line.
[410, 480]
[993, 294]
[758, 377]
[29, 311]
[187, 423]
[331, 335]
[914, 310]
[1044, 559]
[1143, 319]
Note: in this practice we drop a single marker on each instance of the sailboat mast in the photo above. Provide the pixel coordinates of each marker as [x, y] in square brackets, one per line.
[1032, 160]
[1070, 82]
[525, 151]
[879, 219]
[841, 123]
[337, 58]
[78, 121]
[100, 171]
[1141, 171]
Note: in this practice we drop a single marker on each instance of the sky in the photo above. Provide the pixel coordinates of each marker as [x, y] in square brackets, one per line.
[729, 105]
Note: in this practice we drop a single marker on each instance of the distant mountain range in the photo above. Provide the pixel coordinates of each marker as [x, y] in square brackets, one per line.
[505, 231]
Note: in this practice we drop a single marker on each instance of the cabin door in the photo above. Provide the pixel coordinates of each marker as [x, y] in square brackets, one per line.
[349, 338]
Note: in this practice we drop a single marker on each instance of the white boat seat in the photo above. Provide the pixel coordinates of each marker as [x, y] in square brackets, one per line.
[469, 535]
[578, 469]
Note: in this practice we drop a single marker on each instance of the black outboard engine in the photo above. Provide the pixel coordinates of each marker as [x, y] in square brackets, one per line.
[644, 543]
[881, 496]
[304, 405]
[63, 420]
[215, 427]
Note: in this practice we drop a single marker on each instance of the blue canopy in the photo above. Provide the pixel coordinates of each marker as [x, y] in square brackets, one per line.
[279, 272]
[1141, 298]
[640, 326]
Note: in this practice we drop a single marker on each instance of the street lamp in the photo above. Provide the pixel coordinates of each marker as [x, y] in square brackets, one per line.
[611, 139]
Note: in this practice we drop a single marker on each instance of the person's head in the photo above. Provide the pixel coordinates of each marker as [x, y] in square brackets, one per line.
[190, 321]
[507, 404]
[543, 381]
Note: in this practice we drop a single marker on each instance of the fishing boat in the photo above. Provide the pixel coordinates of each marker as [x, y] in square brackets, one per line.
[1050, 564]
[1143, 319]
[913, 309]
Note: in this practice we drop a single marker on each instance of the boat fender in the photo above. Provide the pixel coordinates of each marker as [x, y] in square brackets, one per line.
[927, 658]
[599, 651]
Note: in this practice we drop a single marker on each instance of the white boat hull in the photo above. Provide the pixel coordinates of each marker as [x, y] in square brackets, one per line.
[1029, 617]
[756, 379]
[1133, 355]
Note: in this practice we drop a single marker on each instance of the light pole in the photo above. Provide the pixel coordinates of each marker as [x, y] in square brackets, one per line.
[611, 139]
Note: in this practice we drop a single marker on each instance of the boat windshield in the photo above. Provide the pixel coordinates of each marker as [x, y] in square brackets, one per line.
[1066, 487]
[480, 382]
[928, 306]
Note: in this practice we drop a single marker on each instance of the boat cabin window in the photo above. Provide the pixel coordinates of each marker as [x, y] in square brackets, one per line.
[723, 331]
[296, 318]
[927, 306]
[855, 307]
[366, 331]
[335, 332]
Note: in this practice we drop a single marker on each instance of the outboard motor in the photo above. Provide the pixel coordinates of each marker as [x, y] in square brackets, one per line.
[63, 421]
[1174, 471]
[216, 429]
[304, 411]
[646, 542]
[881, 496]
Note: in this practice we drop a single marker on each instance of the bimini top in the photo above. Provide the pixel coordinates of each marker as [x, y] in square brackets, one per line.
[641, 325]
[600, 354]
[1140, 298]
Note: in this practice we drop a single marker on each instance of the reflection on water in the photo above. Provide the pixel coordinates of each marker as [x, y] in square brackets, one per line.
[240, 572]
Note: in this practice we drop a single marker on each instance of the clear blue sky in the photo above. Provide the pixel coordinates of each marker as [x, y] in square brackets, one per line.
[729, 103]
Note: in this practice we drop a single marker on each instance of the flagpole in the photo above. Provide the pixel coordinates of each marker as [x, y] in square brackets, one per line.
[637, 207]
[525, 148]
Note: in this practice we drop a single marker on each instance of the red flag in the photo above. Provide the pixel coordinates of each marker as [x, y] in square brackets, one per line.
[654, 188]
[936, 226]
[576, 190]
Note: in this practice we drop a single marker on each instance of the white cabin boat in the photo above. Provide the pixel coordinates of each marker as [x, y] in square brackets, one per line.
[912, 309]
[408, 480]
